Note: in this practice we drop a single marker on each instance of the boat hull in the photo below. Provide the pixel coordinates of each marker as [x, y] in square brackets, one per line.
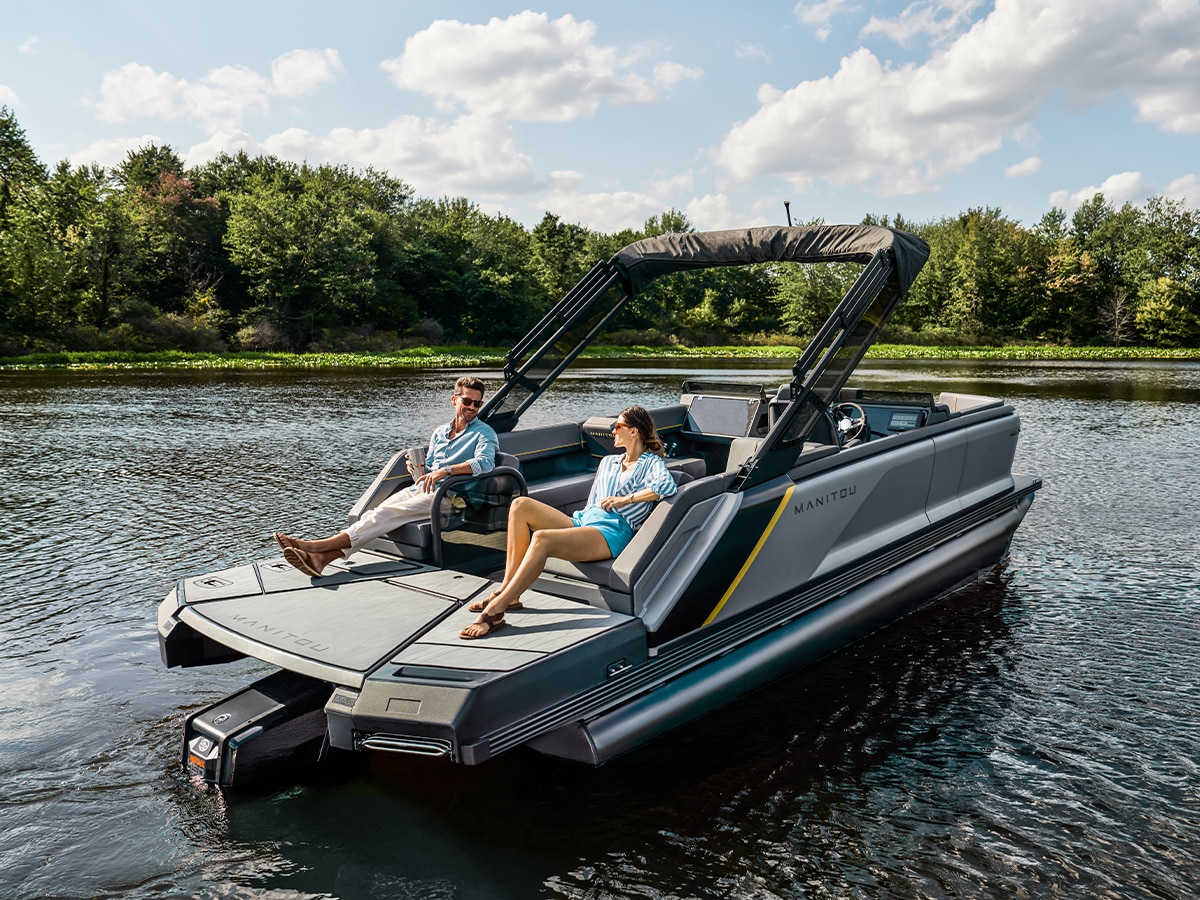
[792, 645]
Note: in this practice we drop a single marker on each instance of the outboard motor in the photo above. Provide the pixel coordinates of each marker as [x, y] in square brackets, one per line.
[273, 725]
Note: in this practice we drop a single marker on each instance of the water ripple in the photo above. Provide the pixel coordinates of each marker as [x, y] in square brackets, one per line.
[1033, 735]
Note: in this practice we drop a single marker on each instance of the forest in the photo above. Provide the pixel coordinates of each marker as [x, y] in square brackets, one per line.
[255, 253]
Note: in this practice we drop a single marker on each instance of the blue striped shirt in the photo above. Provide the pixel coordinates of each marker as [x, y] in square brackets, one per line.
[650, 472]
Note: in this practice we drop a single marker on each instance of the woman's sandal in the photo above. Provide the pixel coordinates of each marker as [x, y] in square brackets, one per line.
[481, 605]
[491, 621]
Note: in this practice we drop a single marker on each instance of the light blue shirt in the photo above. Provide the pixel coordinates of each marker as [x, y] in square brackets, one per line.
[650, 472]
[476, 444]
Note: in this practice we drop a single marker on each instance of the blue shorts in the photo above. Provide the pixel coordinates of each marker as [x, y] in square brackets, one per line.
[612, 526]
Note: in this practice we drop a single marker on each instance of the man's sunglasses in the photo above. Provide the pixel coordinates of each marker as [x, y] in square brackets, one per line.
[469, 401]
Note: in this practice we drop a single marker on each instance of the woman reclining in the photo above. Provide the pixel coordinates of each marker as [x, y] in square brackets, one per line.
[626, 487]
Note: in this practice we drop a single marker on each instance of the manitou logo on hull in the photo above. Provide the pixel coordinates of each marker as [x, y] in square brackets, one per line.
[825, 499]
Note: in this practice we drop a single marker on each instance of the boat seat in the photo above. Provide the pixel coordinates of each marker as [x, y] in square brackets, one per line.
[609, 583]
[473, 503]
[568, 493]
[740, 450]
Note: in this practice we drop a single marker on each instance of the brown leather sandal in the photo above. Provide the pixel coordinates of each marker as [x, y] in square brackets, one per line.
[481, 605]
[493, 622]
[301, 560]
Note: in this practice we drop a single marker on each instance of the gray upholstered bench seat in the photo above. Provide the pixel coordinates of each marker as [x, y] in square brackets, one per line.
[609, 583]
[570, 492]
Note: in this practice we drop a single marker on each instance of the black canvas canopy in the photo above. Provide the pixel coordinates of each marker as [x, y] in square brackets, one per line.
[891, 261]
[643, 261]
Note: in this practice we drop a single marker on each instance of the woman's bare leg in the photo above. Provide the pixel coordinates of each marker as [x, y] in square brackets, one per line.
[584, 544]
[526, 516]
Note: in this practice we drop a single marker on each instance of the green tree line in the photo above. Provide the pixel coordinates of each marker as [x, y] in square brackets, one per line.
[255, 253]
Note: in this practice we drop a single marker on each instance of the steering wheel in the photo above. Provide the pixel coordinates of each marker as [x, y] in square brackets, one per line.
[851, 421]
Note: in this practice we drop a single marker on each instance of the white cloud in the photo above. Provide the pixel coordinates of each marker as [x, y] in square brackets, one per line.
[299, 72]
[220, 100]
[526, 67]
[1117, 189]
[1185, 189]
[671, 185]
[713, 212]
[743, 50]
[223, 142]
[603, 211]
[565, 181]
[111, 152]
[8, 97]
[900, 129]
[940, 19]
[667, 74]
[1025, 167]
[29, 47]
[471, 155]
[1124, 186]
[819, 14]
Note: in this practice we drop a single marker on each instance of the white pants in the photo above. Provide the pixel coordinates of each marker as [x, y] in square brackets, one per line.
[403, 506]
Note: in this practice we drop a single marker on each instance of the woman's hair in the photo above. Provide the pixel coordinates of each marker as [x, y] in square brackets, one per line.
[644, 423]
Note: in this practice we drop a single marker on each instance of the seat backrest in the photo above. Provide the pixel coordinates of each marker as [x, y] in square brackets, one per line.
[689, 465]
[740, 450]
[658, 528]
[507, 459]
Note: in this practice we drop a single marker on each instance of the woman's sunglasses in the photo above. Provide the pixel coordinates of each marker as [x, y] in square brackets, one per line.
[617, 425]
[469, 401]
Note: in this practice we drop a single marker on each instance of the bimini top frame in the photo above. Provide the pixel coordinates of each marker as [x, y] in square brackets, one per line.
[891, 262]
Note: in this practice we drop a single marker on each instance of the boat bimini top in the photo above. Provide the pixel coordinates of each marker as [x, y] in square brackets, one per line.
[891, 261]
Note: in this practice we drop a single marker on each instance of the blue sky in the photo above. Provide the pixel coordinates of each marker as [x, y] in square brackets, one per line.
[608, 113]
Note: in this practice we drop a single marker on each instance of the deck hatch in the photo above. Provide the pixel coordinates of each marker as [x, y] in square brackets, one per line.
[345, 629]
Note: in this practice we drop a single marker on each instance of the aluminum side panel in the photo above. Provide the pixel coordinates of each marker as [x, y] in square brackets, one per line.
[987, 469]
[833, 519]
[673, 569]
[950, 452]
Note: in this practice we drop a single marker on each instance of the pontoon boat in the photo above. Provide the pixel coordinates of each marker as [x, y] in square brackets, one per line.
[808, 515]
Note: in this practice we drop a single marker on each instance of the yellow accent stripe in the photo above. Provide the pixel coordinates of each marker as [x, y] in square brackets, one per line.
[754, 553]
[546, 449]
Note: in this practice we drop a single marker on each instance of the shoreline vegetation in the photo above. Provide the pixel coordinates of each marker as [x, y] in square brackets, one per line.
[248, 262]
[460, 356]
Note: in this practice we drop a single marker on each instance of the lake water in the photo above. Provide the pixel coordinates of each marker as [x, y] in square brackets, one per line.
[1036, 735]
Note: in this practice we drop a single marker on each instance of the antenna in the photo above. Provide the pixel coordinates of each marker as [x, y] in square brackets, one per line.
[787, 207]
